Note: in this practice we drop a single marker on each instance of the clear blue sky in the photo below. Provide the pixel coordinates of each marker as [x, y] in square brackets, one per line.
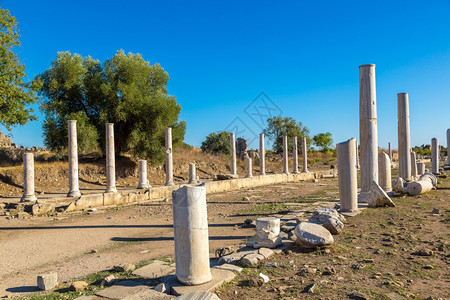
[220, 55]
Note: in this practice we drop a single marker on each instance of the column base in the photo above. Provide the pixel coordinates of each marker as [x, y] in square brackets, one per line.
[74, 194]
[28, 198]
[248, 176]
[170, 183]
[111, 190]
[287, 173]
[362, 197]
[192, 182]
[305, 171]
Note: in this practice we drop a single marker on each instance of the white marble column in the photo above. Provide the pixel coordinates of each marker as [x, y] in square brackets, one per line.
[169, 157]
[404, 147]
[390, 152]
[357, 153]
[285, 155]
[190, 224]
[74, 189]
[413, 165]
[346, 157]
[304, 156]
[384, 172]
[192, 174]
[28, 178]
[248, 160]
[420, 168]
[262, 155]
[435, 156]
[295, 155]
[368, 133]
[110, 160]
[448, 146]
[233, 166]
[143, 181]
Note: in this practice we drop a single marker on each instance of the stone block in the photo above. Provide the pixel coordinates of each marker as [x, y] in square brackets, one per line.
[112, 199]
[42, 209]
[121, 290]
[47, 281]
[229, 267]
[266, 252]
[155, 269]
[252, 259]
[199, 296]
[147, 294]
[86, 201]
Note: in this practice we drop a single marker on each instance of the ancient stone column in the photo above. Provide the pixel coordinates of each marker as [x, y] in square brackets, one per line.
[357, 154]
[143, 181]
[448, 146]
[384, 172]
[285, 155]
[295, 155]
[190, 226]
[404, 147]
[192, 174]
[390, 152]
[248, 160]
[74, 189]
[304, 156]
[233, 166]
[420, 168]
[169, 157]
[413, 165]
[368, 133]
[262, 155]
[110, 160]
[28, 178]
[435, 156]
[346, 157]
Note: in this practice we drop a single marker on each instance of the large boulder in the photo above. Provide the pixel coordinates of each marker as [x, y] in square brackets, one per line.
[310, 235]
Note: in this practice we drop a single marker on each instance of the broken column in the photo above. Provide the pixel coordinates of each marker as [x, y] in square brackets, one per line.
[425, 184]
[304, 156]
[169, 157]
[143, 181]
[74, 189]
[348, 193]
[233, 166]
[267, 233]
[404, 147]
[384, 172]
[28, 178]
[413, 165]
[435, 156]
[420, 168]
[285, 155]
[368, 134]
[262, 155]
[110, 160]
[295, 155]
[192, 174]
[190, 225]
[248, 161]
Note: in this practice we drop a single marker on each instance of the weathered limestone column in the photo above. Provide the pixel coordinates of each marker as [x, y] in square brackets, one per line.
[169, 157]
[190, 226]
[192, 174]
[262, 155]
[413, 165]
[285, 155]
[368, 133]
[233, 153]
[28, 178]
[143, 181]
[448, 147]
[295, 155]
[304, 156]
[420, 168]
[435, 156]
[384, 172]
[248, 160]
[110, 160]
[74, 189]
[348, 193]
[390, 152]
[404, 147]
[357, 153]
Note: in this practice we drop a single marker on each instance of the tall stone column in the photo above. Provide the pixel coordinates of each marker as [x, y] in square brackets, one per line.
[28, 178]
[390, 152]
[248, 160]
[384, 172]
[233, 166]
[262, 155]
[348, 192]
[404, 147]
[192, 174]
[448, 146]
[190, 226]
[74, 189]
[413, 165]
[295, 154]
[368, 133]
[420, 168]
[357, 153]
[435, 156]
[169, 157]
[285, 155]
[143, 181]
[304, 156]
[110, 160]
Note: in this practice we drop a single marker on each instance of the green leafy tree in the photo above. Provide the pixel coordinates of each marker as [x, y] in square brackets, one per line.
[217, 142]
[15, 94]
[126, 90]
[278, 126]
[323, 141]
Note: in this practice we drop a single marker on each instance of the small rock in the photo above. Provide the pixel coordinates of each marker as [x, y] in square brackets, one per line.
[161, 288]
[436, 211]
[245, 199]
[94, 251]
[368, 260]
[329, 271]
[251, 259]
[358, 295]
[271, 264]
[310, 288]
[423, 252]
[124, 268]
[265, 278]
[428, 267]
[47, 281]
[266, 252]
[357, 266]
[255, 282]
[78, 286]
[304, 271]
[92, 209]
[166, 200]
[109, 279]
